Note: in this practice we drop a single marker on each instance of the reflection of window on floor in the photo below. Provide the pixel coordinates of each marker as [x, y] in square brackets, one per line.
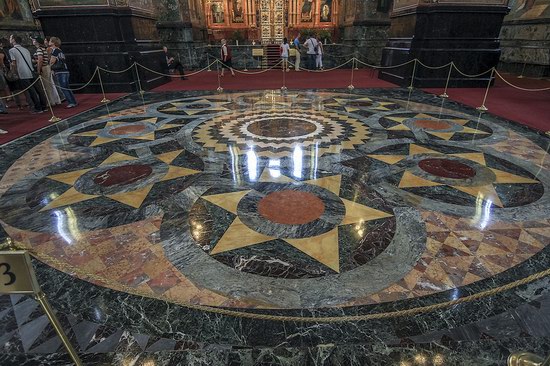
[383, 6]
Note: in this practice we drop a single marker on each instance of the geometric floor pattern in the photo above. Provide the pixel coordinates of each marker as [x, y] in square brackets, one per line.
[272, 200]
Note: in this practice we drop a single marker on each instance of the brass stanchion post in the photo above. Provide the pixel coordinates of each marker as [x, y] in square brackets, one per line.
[482, 107]
[104, 100]
[413, 75]
[141, 91]
[208, 60]
[54, 118]
[444, 95]
[350, 86]
[283, 88]
[522, 70]
[220, 89]
[41, 298]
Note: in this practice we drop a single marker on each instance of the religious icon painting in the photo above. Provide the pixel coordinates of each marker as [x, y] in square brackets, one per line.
[217, 12]
[237, 11]
[307, 11]
[326, 11]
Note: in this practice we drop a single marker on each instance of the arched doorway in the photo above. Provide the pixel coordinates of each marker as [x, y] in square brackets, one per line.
[272, 21]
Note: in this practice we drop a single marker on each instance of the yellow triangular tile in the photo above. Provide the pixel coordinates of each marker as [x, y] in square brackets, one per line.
[410, 180]
[331, 183]
[323, 248]
[473, 131]
[351, 109]
[88, 133]
[102, 140]
[168, 126]
[69, 197]
[485, 192]
[280, 178]
[70, 177]
[238, 235]
[398, 128]
[505, 177]
[460, 121]
[227, 201]
[398, 119]
[132, 198]
[169, 157]
[442, 135]
[149, 136]
[116, 157]
[416, 149]
[356, 212]
[178, 172]
[388, 159]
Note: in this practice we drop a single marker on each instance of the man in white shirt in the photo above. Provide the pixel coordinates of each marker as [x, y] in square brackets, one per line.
[311, 45]
[21, 59]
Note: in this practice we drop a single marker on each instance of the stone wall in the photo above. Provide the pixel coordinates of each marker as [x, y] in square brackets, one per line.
[525, 39]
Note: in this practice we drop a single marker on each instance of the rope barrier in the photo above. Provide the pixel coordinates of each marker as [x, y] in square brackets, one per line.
[471, 76]
[21, 91]
[384, 67]
[176, 76]
[434, 67]
[518, 87]
[75, 89]
[354, 60]
[282, 318]
[117, 72]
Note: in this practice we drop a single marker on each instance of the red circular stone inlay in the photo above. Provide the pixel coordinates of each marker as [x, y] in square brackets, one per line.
[126, 130]
[431, 124]
[447, 168]
[291, 207]
[120, 175]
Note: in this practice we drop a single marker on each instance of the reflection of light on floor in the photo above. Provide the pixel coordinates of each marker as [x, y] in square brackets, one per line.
[297, 157]
[314, 160]
[483, 212]
[234, 165]
[252, 162]
[67, 225]
[274, 168]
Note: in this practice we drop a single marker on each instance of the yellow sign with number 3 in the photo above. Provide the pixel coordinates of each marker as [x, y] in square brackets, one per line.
[16, 273]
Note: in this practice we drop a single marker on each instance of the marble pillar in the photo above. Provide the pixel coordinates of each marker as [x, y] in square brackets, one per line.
[437, 33]
[110, 36]
[181, 25]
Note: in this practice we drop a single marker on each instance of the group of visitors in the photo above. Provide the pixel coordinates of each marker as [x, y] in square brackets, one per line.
[19, 70]
[314, 51]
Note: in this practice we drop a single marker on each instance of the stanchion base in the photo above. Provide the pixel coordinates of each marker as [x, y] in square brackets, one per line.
[547, 133]
[482, 108]
[105, 100]
[444, 95]
[410, 87]
[208, 70]
[54, 119]
[142, 92]
[521, 77]
[220, 89]
[351, 87]
[284, 88]
[245, 69]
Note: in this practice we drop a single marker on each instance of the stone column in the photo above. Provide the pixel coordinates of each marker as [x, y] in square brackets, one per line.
[182, 29]
[439, 32]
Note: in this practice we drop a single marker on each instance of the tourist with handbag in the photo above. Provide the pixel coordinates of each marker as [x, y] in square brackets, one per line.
[61, 71]
[22, 62]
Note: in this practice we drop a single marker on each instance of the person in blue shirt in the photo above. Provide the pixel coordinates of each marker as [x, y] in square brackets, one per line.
[296, 43]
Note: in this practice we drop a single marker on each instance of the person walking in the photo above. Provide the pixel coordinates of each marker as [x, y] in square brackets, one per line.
[173, 64]
[285, 50]
[61, 71]
[319, 58]
[226, 58]
[22, 61]
[296, 43]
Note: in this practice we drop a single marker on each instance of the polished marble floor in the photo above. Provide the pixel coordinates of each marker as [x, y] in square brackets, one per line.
[328, 200]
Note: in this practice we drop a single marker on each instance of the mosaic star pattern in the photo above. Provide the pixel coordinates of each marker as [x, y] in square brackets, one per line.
[293, 200]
